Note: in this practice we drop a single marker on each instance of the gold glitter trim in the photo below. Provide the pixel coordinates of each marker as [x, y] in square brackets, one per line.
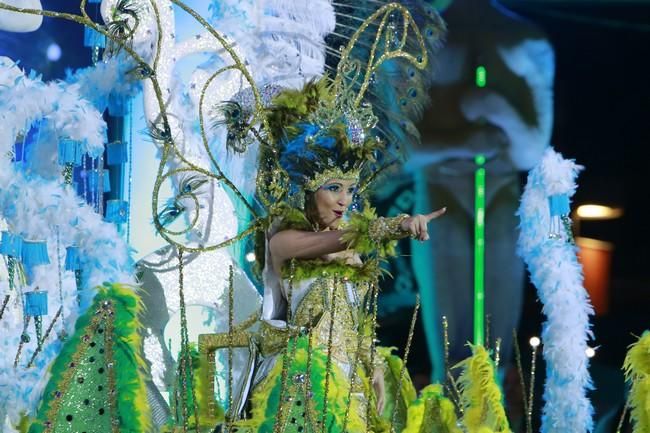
[402, 373]
[349, 69]
[321, 179]
[384, 228]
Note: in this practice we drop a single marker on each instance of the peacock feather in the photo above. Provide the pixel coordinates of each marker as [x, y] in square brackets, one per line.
[188, 186]
[123, 26]
[236, 120]
[399, 91]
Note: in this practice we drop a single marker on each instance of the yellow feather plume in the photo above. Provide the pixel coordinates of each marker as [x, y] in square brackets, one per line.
[481, 396]
[637, 372]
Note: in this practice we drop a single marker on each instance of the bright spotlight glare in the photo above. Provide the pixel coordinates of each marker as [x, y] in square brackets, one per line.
[534, 341]
[598, 212]
[53, 52]
[590, 352]
[250, 257]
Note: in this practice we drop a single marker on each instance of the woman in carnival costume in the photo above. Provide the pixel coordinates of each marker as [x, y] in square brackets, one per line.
[319, 363]
[318, 367]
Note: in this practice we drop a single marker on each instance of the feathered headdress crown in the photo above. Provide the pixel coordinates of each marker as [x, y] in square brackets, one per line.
[329, 129]
[318, 141]
[350, 124]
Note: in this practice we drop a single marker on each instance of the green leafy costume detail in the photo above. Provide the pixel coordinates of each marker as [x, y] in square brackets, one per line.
[98, 379]
[368, 234]
[305, 269]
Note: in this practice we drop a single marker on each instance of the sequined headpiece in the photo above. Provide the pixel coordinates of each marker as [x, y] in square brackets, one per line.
[323, 143]
[328, 129]
[321, 179]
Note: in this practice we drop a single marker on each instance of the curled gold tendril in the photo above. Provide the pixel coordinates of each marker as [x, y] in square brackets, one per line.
[349, 69]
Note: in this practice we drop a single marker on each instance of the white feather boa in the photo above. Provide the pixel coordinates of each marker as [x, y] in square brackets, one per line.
[35, 205]
[556, 273]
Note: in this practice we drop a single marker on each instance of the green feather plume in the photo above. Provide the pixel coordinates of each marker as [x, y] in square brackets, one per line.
[407, 394]
[432, 412]
[356, 234]
[291, 107]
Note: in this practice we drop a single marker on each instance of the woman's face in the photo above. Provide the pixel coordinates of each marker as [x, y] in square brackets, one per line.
[332, 200]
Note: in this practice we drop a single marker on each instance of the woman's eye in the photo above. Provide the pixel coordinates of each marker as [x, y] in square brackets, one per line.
[333, 188]
[352, 191]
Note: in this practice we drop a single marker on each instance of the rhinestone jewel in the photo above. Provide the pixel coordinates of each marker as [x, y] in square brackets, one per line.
[355, 131]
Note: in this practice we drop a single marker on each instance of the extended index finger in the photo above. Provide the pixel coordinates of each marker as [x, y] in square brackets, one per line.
[436, 213]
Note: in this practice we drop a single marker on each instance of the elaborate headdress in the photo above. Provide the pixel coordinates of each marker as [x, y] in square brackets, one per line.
[320, 142]
[331, 128]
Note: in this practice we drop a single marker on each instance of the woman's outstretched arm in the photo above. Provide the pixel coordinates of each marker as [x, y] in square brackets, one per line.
[298, 244]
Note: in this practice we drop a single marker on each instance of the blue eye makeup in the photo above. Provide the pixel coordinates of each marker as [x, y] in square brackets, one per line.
[333, 188]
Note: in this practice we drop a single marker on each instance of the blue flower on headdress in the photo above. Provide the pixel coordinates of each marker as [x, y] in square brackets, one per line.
[306, 148]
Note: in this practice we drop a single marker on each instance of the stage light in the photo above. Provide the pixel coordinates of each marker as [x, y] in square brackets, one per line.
[250, 257]
[590, 352]
[481, 76]
[479, 251]
[534, 341]
[53, 52]
[598, 212]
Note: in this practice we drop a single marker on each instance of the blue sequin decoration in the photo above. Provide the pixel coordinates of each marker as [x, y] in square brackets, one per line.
[11, 244]
[72, 259]
[93, 38]
[93, 180]
[116, 211]
[117, 153]
[34, 253]
[559, 205]
[36, 303]
[69, 151]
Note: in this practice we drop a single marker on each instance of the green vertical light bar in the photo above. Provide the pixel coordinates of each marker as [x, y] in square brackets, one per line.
[479, 251]
[481, 76]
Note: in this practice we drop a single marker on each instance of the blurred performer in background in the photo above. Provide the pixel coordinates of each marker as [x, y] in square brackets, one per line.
[509, 120]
